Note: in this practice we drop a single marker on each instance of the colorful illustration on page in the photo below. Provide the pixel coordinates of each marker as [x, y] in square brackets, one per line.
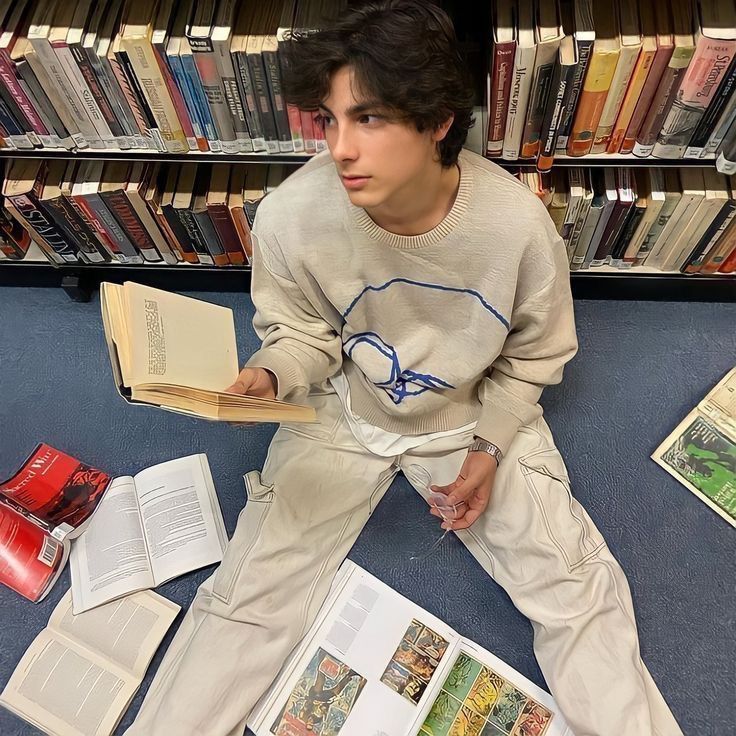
[414, 662]
[321, 700]
[476, 701]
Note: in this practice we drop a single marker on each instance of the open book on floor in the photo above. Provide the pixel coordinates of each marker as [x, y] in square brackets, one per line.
[701, 450]
[180, 354]
[46, 503]
[152, 527]
[373, 663]
[80, 673]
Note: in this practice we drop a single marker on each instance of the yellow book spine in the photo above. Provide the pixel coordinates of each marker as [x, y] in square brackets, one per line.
[592, 100]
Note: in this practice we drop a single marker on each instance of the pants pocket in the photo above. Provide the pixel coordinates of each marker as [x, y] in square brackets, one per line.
[569, 527]
[329, 413]
[247, 533]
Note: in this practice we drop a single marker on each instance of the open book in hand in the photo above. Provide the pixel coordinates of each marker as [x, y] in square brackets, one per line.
[80, 673]
[373, 663]
[46, 503]
[149, 528]
[701, 451]
[180, 354]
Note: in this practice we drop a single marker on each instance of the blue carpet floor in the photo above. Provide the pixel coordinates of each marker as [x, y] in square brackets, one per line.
[640, 368]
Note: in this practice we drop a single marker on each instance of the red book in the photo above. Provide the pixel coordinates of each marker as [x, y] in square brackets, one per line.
[46, 503]
[729, 265]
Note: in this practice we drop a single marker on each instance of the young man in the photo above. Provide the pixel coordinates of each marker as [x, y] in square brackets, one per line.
[418, 297]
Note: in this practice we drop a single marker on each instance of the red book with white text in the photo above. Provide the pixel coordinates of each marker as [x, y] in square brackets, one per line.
[49, 501]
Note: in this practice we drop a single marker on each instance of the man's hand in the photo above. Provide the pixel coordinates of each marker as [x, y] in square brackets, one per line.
[472, 489]
[254, 382]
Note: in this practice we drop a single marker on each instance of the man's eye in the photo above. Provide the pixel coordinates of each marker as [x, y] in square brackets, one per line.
[368, 119]
[323, 120]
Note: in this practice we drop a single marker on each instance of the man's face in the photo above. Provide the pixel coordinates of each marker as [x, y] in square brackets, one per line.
[381, 161]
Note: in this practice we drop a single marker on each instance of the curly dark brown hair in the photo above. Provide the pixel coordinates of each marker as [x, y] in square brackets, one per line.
[402, 52]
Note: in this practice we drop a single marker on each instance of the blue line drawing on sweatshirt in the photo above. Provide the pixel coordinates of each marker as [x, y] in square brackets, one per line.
[399, 383]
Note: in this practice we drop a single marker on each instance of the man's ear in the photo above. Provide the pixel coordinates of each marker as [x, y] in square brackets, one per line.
[441, 130]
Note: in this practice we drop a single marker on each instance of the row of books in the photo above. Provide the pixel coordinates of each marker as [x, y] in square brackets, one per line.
[615, 77]
[681, 220]
[166, 75]
[98, 212]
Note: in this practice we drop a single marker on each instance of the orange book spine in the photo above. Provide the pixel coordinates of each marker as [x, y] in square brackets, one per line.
[636, 85]
[721, 252]
[591, 101]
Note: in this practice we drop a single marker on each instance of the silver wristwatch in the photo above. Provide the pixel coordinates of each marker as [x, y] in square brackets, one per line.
[480, 445]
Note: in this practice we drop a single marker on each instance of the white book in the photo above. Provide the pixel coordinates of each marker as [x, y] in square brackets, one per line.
[693, 192]
[521, 82]
[373, 663]
[580, 220]
[576, 193]
[716, 196]
[81, 672]
[148, 528]
[724, 123]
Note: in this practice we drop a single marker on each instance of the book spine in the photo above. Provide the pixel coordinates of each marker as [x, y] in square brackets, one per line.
[562, 80]
[710, 237]
[610, 233]
[651, 238]
[226, 71]
[99, 130]
[68, 221]
[295, 126]
[91, 223]
[144, 64]
[592, 100]
[15, 134]
[126, 216]
[126, 81]
[501, 75]
[543, 71]
[273, 79]
[95, 90]
[195, 235]
[260, 89]
[707, 125]
[662, 101]
[25, 105]
[210, 239]
[729, 262]
[220, 216]
[15, 240]
[633, 93]
[108, 230]
[48, 251]
[614, 98]
[250, 106]
[585, 50]
[182, 83]
[181, 111]
[243, 229]
[307, 125]
[186, 247]
[620, 244]
[204, 58]
[27, 136]
[195, 86]
[704, 73]
[59, 135]
[319, 132]
[149, 224]
[28, 207]
[115, 98]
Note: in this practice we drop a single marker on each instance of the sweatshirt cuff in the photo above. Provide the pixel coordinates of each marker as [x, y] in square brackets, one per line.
[287, 370]
[498, 427]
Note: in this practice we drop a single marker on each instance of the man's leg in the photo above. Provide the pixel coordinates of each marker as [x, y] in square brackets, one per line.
[538, 543]
[316, 492]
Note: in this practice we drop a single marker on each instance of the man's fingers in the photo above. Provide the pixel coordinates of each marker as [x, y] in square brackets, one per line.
[467, 520]
[239, 387]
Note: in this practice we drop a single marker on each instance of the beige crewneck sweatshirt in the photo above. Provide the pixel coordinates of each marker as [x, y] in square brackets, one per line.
[469, 321]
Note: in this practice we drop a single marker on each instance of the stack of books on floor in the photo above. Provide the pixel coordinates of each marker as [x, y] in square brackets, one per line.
[617, 77]
[170, 76]
[680, 220]
[132, 213]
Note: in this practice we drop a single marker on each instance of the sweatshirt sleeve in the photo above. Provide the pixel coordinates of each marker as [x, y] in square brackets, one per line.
[540, 341]
[298, 345]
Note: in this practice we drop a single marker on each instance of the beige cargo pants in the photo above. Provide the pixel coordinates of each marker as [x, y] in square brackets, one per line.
[305, 510]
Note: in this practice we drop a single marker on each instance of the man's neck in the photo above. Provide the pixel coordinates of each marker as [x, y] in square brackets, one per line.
[423, 208]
